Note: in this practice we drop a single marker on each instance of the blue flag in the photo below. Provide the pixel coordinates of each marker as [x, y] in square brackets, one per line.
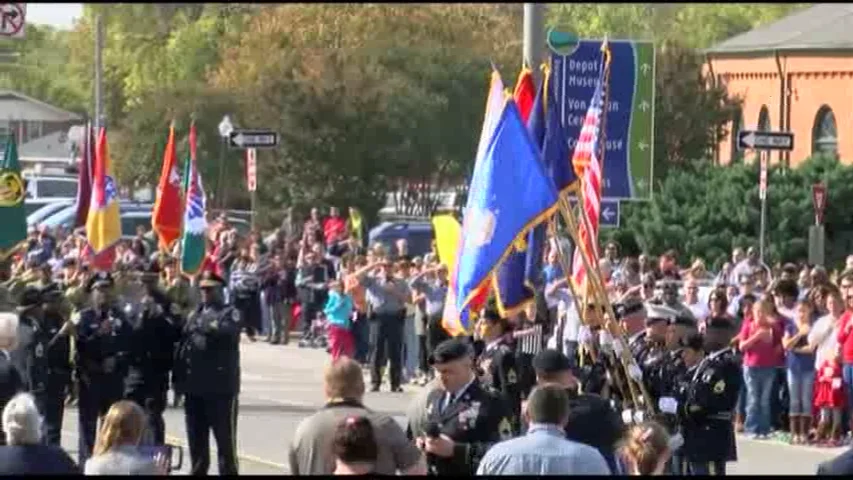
[509, 195]
[555, 152]
[518, 276]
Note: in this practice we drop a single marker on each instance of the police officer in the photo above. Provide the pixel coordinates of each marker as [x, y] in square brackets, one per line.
[497, 363]
[179, 291]
[707, 401]
[155, 336]
[44, 367]
[58, 354]
[210, 355]
[102, 340]
[649, 344]
[463, 420]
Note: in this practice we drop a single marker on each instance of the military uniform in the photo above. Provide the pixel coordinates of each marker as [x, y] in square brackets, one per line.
[179, 292]
[156, 333]
[706, 406]
[498, 363]
[102, 342]
[210, 357]
[473, 418]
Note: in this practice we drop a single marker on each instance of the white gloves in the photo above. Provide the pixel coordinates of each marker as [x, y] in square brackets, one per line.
[668, 405]
[635, 373]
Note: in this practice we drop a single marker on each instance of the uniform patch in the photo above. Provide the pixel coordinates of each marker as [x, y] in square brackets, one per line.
[39, 351]
[505, 429]
[235, 315]
[511, 377]
[720, 387]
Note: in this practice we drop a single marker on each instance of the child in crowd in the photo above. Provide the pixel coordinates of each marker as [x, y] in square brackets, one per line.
[800, 363]
[829, 400]
[646, 449]
[338, 311]
[355, 447]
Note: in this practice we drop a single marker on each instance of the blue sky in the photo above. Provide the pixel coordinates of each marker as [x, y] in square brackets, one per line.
[59, 15]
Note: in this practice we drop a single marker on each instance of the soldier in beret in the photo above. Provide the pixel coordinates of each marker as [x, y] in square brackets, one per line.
[102, 340]
[463, 419]
[498, 365]
[155, 335]
[210, 357]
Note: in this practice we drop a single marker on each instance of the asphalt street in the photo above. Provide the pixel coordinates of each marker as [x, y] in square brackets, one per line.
[283, 384]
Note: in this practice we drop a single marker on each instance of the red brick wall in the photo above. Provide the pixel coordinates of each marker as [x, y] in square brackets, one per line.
[814, 80]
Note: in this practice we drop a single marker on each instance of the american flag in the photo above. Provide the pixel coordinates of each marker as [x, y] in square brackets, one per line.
[587, 157]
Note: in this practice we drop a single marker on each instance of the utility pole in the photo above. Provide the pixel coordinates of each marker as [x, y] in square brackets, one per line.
[534, 37]
[99, 74]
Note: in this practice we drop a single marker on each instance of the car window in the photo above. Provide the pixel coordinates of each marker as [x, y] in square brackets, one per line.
[129, 223]
[56, 188]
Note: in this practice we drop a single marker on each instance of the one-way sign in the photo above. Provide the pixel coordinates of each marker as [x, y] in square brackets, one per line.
[750, 139]
[253, 139]
[610, 212]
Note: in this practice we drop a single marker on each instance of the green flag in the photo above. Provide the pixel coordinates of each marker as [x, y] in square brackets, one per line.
[193, 240]
[13, 217]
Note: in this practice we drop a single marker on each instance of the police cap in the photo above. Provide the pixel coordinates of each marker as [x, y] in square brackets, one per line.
[29, 298]
[627, 308]
[719, 323]
[101, 280]
[656, 312]
[551, 361]
[210, 280]
[694, 341]
[451, 350]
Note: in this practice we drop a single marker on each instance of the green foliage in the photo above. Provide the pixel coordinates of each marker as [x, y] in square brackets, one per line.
[707, 212]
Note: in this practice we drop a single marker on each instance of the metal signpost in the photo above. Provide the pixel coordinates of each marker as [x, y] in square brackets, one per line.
[817, 233]
[629, 135]
[13, 20]
[252, 177]
[764, 142]
[252, 139]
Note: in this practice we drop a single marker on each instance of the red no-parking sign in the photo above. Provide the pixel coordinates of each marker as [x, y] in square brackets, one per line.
[12, 19]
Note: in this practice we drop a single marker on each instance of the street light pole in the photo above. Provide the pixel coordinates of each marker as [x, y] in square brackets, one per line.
[225, 129]
[534, 37]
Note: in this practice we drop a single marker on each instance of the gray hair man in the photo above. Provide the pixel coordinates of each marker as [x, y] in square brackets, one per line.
[10, 378]
[544, 449]
[22, 423]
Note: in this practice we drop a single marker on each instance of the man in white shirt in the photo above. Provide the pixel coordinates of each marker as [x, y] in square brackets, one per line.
[565, 337]
[693, 303]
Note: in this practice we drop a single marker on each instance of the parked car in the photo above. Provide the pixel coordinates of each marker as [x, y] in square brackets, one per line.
[43, 190]
[65, 217]
[46, 210]
[418, 234]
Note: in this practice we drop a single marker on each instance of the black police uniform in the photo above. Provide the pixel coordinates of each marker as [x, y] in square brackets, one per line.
[210, 355]
[103, 341]
[156, 333]
[475, 419]
[706, 407]
[58, 354]
[499, 360]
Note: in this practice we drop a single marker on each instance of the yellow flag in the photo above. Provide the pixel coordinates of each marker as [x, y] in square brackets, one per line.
[447, 234]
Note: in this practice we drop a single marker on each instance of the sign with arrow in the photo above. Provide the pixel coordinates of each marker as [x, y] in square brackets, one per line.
[12, 19]
[611, 212]
[253, 139]
[754, 140]
[629, 144]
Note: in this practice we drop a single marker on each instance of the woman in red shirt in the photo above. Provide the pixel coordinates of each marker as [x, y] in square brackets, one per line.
[761, 344]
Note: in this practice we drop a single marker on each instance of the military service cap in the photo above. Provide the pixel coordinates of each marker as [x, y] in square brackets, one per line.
[682, 320]
[551, 361]
[451, 350]
[210, 280]
[627, 308]
[656, 312]
[100, 280]
[30, 297]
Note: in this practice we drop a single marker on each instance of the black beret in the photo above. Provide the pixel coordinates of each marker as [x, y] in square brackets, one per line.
[720, 323]
[682, 320]
[450, 350]
[30, 297]
[694, 341]
[210, 280]
[551, 361]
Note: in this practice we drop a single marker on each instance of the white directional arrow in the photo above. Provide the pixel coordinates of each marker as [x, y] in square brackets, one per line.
[749, 139]
[645, 68]
[239, 140]
[642, 146]
[608, 214]
[644, 106]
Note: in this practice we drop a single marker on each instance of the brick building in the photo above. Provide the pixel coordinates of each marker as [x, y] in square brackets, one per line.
[794, 75]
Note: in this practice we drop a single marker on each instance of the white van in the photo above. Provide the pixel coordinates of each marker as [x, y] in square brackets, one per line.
[44, 189]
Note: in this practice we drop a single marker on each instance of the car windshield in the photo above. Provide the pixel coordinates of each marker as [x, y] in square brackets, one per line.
[49, 188]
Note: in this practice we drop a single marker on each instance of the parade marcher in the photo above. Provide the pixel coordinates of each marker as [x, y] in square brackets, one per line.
[56, 356]
[210, 355]
[463, 419]
[497, 362]
[156, 331]
[649, 344]
[102, 343]
[708, 400]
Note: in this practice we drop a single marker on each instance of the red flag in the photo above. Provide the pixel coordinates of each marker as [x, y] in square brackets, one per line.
[84, 178]
[168, 208]
[525, 93]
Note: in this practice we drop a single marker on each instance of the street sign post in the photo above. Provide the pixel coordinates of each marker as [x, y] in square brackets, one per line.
[12, 19]
[750, 139]
[252, 139]
[629, 144]
[762, 178]
[611, 212]
[251, 169]
[819, 202]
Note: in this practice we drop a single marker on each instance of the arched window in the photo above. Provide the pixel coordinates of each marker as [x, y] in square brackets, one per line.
[764, 119]
[825, 132]
[737, 126]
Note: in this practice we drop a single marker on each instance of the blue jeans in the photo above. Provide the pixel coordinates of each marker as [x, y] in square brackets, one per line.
[800, 388]
[759, 391]
[740, 409]
[410, 347]
[265, 315]
[847, 375]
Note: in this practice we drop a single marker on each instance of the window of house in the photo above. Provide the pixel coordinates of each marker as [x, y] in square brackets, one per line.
[825, 132]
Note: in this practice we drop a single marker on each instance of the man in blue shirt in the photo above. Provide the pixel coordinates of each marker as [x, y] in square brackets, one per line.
[544, 449]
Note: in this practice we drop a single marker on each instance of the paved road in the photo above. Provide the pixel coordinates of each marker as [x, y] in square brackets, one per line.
[283, 385]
